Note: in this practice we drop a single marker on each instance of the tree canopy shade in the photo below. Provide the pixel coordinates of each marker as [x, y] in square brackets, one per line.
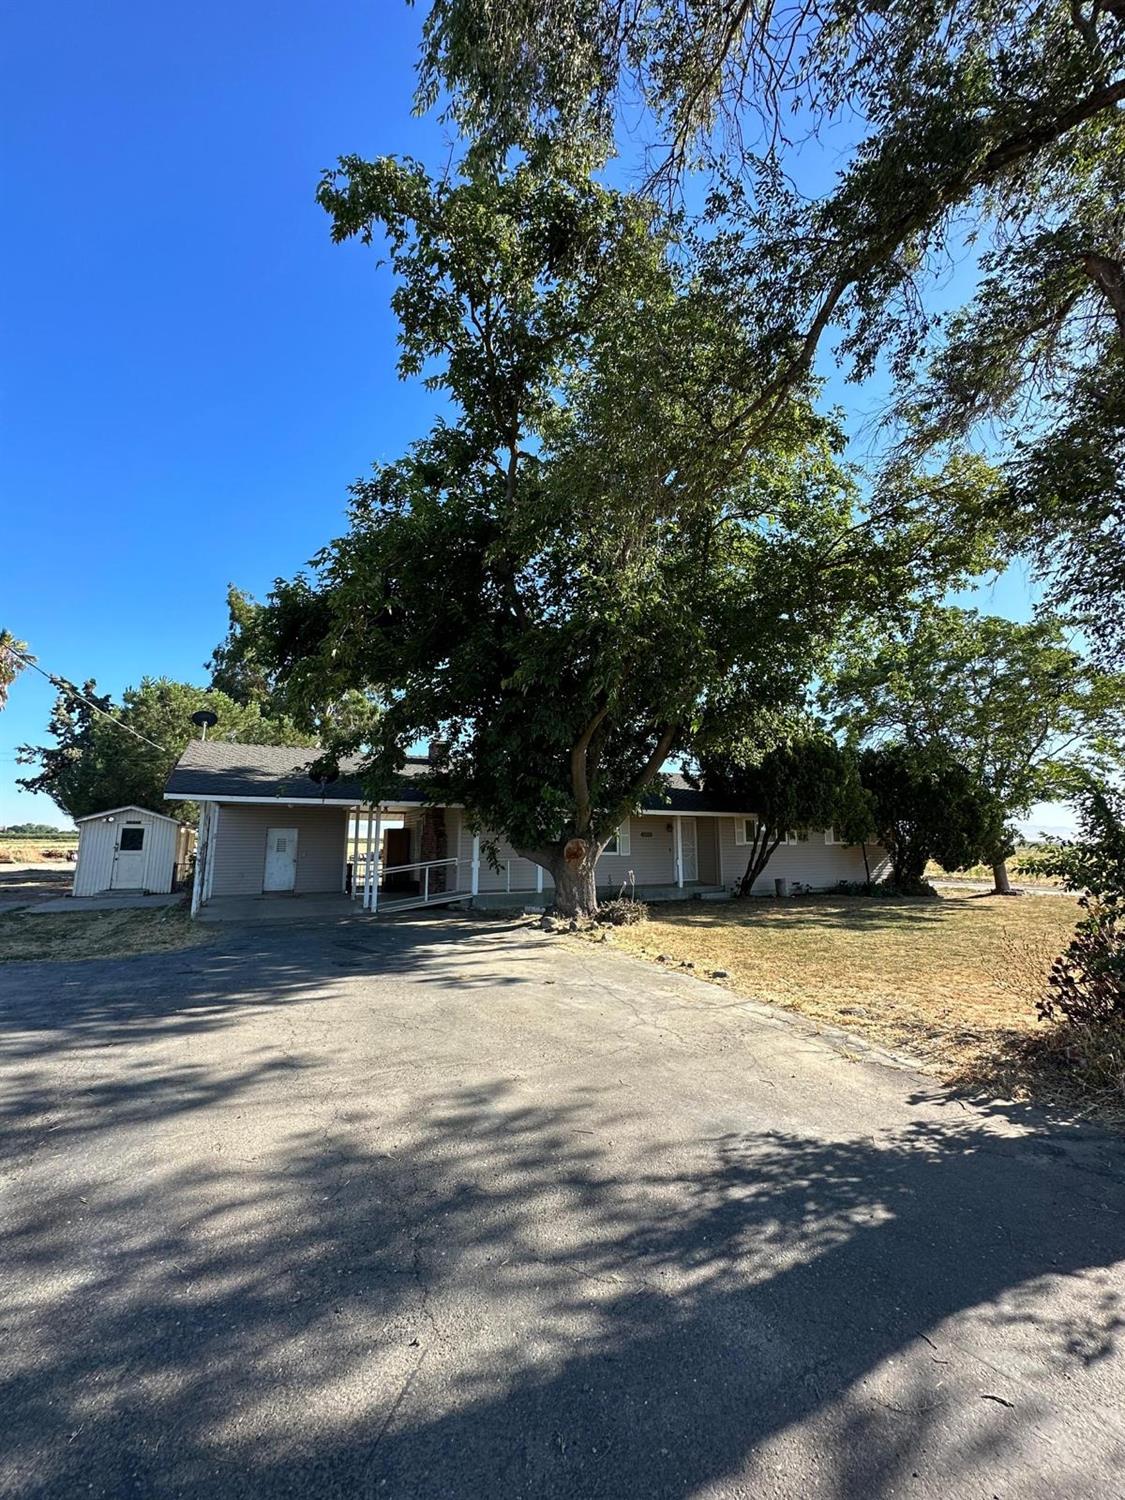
[1016, 705]
[95, 763]
[591, 562]
[991, 130]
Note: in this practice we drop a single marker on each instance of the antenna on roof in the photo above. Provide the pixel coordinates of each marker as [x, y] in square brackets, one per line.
[324, 779]
[206, 720]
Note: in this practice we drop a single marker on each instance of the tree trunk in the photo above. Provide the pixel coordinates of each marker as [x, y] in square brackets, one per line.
[866, 867]
[1001, 884]
[572, 867]
[761, 852]
[576, 892]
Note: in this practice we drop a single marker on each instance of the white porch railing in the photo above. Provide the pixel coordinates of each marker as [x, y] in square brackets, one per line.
[377, 897]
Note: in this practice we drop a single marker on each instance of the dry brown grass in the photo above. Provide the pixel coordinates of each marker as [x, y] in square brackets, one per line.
[97, 934]
[953, 981]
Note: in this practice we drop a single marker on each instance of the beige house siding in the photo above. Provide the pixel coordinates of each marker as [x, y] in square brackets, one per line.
[239, 853]
[813, 863]
[522, 871]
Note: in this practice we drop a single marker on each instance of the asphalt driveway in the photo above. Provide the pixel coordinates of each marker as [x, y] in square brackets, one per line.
[452, 1208]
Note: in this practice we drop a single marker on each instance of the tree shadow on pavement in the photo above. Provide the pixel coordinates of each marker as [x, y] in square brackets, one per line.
[472, 1294]
[47, 1008]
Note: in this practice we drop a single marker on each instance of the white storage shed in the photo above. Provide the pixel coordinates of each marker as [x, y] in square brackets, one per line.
[129, 849]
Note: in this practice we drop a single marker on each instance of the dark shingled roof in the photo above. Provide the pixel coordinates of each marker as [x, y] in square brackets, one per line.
[278, 773]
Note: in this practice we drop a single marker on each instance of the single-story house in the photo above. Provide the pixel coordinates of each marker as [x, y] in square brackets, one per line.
[266, 828]
[130, 849]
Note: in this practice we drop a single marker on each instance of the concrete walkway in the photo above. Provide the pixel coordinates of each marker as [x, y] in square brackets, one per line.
[110, 901]
[451, 1209]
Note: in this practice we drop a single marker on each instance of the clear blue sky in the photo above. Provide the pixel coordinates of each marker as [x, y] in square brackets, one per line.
[192, 372]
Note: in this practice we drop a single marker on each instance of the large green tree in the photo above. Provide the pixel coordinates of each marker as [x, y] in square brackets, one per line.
[115, 755]
[990, 132]
[1016, 704]
[806, 783]
[592, 560]
[927, 807]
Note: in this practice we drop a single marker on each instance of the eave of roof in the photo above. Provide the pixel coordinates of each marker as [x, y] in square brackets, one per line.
[218, 771]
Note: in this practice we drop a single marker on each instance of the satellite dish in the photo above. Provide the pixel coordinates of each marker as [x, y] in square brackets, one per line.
[205, 720]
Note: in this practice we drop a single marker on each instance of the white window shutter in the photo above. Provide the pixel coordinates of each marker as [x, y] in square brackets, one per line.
[623, 846]
[829, 835]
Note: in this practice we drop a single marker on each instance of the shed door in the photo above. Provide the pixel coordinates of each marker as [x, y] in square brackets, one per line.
[129, 858]
[281, 860]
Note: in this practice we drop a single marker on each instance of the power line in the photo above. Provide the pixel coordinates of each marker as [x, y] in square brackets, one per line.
[68, 687]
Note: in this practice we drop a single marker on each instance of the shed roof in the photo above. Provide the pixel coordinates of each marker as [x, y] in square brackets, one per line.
[217, 771]
[132, 807]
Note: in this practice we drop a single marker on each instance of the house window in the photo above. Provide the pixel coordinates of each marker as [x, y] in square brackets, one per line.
[830, 836]
[619, 843]
[797, 836]
[745, 830]
[132, 839]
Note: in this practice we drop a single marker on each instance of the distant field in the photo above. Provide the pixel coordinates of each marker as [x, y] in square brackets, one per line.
[984, 872]
[18, 849]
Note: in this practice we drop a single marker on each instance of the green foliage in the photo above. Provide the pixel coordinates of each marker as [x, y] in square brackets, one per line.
[1086, 984]
[807, 782]
[1015, 704]
[1066, 495]
[11, 664]
[928, 807]
[34, 831]
[95, 763]
[1094, 862]
[236, 665]
[591, 564]
[992, 126]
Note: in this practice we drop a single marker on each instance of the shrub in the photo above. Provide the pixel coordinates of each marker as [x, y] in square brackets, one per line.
[1086, 984]
[888, 887]
[622, 911]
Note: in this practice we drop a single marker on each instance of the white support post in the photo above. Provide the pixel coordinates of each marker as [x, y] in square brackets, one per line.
[354, 816]
[202, 840]
[426, 884]
[378, 871]
[678, 825]
[539, 880]
[474, 879]
[367, 867]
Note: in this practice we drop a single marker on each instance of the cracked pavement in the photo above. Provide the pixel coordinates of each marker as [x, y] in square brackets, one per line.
[450, 1207]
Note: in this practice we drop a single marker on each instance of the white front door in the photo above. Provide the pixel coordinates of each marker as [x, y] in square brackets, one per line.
[129, 858]
[691, 856]
[281, 860]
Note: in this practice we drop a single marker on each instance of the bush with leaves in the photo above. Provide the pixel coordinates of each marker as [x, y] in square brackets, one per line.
[622, 911]
[1087, 983]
